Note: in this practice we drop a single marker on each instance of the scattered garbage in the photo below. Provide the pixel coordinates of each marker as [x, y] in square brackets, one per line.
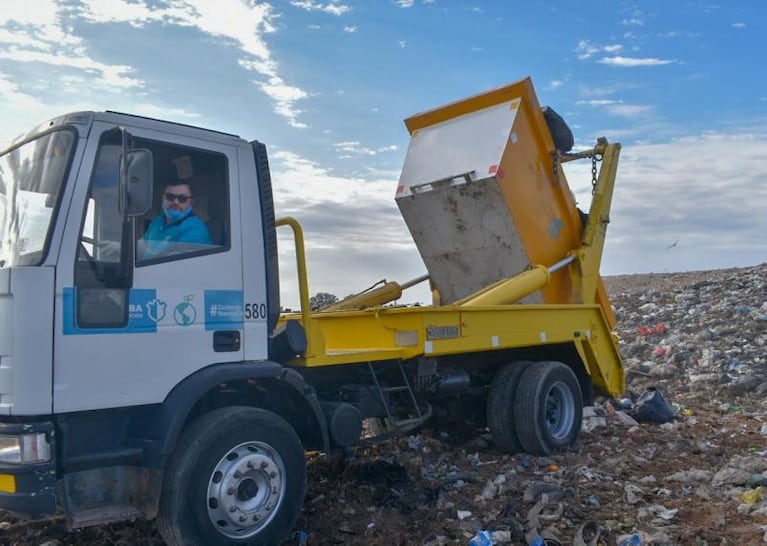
[698, 478]
[651, 407]
[629, 540]
[490, 538]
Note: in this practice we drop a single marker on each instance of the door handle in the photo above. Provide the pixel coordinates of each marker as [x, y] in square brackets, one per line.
[226, 341]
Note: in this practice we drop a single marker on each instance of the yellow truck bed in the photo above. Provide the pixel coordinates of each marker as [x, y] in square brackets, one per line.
[391, 333]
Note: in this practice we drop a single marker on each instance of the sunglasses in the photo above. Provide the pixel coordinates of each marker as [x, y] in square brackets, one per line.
[181, 198]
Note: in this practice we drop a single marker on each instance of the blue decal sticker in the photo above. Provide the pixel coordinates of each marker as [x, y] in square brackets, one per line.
[555, 228]
[223, 310]
[143, 314]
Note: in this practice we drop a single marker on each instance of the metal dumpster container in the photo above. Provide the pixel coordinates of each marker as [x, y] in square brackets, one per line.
[480, 197]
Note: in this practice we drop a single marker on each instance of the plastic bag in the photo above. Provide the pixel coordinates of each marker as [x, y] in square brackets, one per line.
[651, 407]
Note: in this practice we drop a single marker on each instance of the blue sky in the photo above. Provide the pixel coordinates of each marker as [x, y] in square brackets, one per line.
[326, 85]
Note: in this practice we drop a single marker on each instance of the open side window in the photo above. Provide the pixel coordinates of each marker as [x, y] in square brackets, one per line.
[201, 225]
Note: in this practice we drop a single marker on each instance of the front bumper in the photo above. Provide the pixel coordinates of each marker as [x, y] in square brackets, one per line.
[29, 490]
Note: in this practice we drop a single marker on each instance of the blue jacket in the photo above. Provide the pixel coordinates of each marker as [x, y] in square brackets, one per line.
[162, 235]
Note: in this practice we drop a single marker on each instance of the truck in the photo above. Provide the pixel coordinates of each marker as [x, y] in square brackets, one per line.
[168, 384]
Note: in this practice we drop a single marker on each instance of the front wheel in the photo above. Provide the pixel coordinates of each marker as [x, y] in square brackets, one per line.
[237, 477]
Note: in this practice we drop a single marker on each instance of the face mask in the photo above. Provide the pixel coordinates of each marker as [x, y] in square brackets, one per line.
[176, 215]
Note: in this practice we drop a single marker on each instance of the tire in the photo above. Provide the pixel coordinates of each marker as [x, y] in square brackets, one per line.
[548, 409]
[500, 406]
[236, 477]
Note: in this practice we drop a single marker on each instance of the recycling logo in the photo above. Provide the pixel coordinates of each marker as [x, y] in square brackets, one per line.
[185, 314]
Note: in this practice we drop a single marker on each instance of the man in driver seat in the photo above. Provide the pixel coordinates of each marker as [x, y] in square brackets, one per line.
[177, 222]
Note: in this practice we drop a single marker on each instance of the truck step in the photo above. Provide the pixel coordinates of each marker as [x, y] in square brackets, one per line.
[395, 389]
[114, 457]
[398, 428]
[101, 515]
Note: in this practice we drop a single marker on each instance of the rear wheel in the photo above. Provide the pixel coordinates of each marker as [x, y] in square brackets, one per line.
[548, 408]
[500, 406]
[237, 477]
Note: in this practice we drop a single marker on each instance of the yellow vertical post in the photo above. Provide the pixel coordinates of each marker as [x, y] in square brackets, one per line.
[589, 254]
[303, 283]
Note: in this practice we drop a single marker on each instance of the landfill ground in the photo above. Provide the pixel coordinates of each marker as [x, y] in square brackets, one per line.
[700, 479]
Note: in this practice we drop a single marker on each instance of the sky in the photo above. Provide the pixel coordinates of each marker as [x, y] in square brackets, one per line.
[326, 85]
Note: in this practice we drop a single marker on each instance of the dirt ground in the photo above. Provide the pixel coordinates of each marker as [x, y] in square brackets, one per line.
[696, 480]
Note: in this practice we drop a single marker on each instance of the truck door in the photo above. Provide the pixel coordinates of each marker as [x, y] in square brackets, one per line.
[143, 302]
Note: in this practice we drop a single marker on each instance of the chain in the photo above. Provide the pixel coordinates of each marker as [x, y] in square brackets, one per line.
[596, 156]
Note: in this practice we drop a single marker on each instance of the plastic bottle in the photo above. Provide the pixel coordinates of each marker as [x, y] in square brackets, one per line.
[633, 540]
[482, 538]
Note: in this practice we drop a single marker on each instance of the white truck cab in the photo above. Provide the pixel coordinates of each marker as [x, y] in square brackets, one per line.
[112, 338]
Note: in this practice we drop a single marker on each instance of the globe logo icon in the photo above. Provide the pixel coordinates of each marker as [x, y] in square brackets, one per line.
[185, 314]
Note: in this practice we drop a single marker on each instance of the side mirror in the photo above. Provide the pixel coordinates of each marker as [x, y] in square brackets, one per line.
[139, 181]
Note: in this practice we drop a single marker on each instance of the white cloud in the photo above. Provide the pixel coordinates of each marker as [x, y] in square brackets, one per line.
[285, 96]
[714, 206]
[739, 25]
[618, 107]
[604, 90]
[597, 102]
[111, 75]
[554, 85]
[632, 22]
[405, 3]
[351, 29]
[402, 43]
[333, 7]
[634, 61]
[351, 225]
[38, 32]
[586, 49]
[10, 92]
[355, 148]
[629, 110]
[41, 32]
[154, 111]
[636, 19]
[244, 24]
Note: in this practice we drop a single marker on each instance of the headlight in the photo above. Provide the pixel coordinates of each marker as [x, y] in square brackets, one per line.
[24, 448]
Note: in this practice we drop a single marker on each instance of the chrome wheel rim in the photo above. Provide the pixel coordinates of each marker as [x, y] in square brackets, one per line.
[246, 489]
[560, 411]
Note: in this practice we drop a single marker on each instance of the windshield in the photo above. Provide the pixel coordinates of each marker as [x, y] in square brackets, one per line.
[31, 178]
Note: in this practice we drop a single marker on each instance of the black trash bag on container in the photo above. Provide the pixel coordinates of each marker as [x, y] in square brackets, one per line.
[651, 407]
[560, 131]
